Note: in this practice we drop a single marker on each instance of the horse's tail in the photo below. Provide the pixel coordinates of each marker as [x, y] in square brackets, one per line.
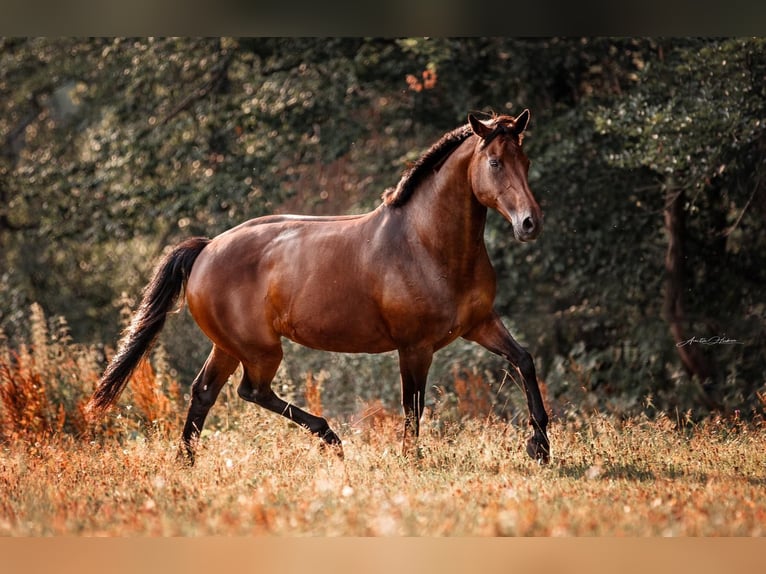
[158, 300]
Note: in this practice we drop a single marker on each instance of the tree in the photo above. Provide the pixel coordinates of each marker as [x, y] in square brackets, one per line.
[696, 122]
[647, 158]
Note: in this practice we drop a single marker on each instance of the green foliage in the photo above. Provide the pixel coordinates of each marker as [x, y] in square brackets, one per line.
[114, 148]
[694, 107]
[695, 121]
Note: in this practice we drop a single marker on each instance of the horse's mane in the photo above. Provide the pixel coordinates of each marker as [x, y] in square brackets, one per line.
[436, 154]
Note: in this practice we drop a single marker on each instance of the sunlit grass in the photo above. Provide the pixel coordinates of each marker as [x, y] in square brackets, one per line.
[257, 474]
[263, 476]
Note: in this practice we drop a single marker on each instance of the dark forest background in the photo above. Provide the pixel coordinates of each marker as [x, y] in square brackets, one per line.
[645, 293]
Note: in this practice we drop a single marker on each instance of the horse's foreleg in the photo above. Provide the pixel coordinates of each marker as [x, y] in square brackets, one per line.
[493, 335]
[204, 391]
[413, 366]
[256, 388]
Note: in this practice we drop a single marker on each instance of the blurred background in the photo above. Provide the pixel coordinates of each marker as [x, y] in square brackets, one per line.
[645, 293]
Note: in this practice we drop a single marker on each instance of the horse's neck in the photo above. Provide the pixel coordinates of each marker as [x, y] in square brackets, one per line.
[443, 209]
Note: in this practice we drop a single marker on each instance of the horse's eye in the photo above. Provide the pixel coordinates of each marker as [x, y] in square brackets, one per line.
[493, 162]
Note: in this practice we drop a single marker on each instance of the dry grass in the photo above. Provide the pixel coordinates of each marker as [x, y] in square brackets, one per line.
[258, 474]
[263, 476]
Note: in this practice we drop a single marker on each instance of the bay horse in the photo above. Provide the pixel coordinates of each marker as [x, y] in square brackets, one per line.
[412, 275]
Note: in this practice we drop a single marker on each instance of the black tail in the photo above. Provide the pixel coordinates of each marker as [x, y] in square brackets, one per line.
[159, 298]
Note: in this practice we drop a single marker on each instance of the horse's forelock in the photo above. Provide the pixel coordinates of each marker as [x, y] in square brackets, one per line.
[502, 126]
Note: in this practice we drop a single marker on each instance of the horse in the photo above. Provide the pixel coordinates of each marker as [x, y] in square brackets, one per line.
[412, 276]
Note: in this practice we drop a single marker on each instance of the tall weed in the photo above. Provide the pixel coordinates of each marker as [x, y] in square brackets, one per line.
[45, 383]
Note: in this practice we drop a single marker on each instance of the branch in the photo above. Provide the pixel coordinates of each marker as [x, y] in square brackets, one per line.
[727, 232]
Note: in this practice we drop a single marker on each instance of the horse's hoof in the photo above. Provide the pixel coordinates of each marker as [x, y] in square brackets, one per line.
[335, 448]
[185, 457]
[331, 442]
[539, 449]
[330, 437]
[418, 453]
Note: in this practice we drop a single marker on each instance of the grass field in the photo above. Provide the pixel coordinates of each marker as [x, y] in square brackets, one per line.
[257, 474]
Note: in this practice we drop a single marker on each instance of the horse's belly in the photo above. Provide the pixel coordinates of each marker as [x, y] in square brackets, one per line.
[340, 324]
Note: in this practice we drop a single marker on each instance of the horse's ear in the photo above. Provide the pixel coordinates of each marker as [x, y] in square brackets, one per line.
[479, 128]
[521, 122]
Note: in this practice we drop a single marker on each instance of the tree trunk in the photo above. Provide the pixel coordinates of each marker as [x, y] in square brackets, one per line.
[693, 360]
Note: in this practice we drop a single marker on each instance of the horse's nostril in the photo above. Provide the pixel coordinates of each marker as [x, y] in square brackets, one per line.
[528, 225]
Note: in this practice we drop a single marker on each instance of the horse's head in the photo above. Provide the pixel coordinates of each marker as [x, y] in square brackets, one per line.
[498, 173]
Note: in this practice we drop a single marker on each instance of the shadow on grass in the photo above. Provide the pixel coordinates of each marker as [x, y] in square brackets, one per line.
[629, 471]
[604, 472]
[639, 473]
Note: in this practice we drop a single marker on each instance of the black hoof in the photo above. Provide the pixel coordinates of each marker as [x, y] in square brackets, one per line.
[185, 456]
[330, 438]
[539, 449]
[414, 453]
[331, 442]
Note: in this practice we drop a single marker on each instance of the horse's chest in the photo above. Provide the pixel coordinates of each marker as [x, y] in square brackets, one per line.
[436, 311]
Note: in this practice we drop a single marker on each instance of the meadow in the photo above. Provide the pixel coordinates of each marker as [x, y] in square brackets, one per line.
[257, 474]
[262, 476]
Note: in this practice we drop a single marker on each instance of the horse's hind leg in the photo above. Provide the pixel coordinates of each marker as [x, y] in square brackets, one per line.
[204, 391]
[256, 388]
